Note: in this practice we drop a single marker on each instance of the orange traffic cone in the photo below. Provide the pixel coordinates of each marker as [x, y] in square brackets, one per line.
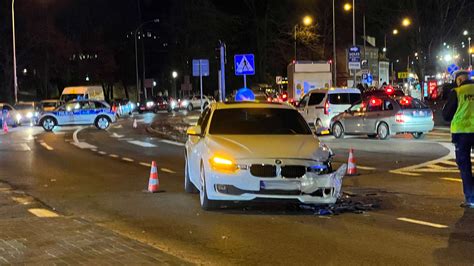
[5, 126]
[135, 123]
[154, 182]
[351, 164]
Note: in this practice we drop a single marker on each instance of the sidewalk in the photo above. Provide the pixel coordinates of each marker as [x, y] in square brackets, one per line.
[31, 233]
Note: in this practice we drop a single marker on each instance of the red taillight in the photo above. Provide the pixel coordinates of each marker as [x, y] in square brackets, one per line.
[269, 99]
[389, 90]
[400, 118]
[375, 101]
[284, 96]
[326, 107]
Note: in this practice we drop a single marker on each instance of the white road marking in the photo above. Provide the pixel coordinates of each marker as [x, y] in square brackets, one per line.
[127, 159]
[172, 142]
[46, 146]
[21, 200]
[166, 170]
[439, 134]
[102, 152]
[113, 155]
[142, 143]
[118, 126]
[43, 213]
[408, 220]
[365, 167]
[84, 145]
[452, 179]
[115, 135]
[145, 164]
[59, 132]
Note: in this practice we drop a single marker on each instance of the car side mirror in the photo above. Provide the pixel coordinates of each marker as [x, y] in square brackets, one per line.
[194, 131]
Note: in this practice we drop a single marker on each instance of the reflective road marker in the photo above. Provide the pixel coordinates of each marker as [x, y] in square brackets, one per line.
[408, 220]
[43, 213]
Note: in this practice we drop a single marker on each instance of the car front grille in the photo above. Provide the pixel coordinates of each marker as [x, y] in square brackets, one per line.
[293, 171]
[264, 170]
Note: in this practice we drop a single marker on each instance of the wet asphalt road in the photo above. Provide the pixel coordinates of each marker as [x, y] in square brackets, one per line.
[102, 179]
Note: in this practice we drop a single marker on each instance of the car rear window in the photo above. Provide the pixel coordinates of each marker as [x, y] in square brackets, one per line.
[344, 98]
[316, 98]
[410, 103]
[258, 121]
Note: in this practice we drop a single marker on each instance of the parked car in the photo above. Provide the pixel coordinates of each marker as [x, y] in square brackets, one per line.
[10, 115]
[79, 112]
[194, 102]
[383, 117]
[319, 106]
[49, 105]
[29, 112]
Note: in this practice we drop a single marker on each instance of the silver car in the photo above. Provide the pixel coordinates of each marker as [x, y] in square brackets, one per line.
[384, 117]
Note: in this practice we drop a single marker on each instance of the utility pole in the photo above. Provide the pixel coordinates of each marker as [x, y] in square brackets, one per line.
[334, 82]
[15, 79]
[353, 36]
[223, 61]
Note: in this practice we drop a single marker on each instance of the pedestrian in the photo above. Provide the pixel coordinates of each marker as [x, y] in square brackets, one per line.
[459, 109]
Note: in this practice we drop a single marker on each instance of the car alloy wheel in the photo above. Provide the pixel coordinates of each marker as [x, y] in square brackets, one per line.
[103, 122]
[48, 124]
[337, 130]
[382, 131]
[190, 107]
[206, 203]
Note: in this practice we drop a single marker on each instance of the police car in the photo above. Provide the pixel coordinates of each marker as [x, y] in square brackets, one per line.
[79, 112]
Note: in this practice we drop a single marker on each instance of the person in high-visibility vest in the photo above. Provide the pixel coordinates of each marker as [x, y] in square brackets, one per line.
[459, 109]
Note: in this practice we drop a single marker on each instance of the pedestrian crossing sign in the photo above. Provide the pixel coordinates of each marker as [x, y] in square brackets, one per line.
[244, 64]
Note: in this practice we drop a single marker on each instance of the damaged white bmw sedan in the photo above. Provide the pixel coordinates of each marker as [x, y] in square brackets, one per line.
[249, 151]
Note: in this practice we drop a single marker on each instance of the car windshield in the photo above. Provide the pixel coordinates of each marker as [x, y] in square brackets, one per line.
[49, 104]
[258, 121]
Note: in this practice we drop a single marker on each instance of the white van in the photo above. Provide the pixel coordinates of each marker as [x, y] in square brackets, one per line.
[82, 93]
[319, 106]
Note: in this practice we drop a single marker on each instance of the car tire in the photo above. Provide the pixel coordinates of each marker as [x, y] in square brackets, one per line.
[48, 123]
[189, 107]
[102, 122]
[188, 185]
[206, 203]
[338, 130]
[417, 135]
[383, 132]
[372, 136]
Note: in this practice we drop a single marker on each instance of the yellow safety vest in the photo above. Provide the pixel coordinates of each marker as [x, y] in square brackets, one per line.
[463, 120]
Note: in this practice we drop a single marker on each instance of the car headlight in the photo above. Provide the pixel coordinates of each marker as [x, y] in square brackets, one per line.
[29, 115]
[18, 117]
[222, 164]
[184, 103]
[150, 104]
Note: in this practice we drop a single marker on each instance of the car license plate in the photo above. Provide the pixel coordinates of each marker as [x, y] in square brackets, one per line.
[419, 113]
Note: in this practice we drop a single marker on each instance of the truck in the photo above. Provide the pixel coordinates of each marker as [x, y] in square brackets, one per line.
[82, 92]
[304, 76]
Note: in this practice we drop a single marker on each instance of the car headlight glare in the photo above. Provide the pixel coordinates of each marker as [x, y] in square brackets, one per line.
[150, 104]
[18, 117]
[29, 115]
[222, 164]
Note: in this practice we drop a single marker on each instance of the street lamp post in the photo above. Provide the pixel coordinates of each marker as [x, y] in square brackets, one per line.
[15, 79]
[348, 7]
[334, 82]
[174, 75]
[136, 54]
[469, 51]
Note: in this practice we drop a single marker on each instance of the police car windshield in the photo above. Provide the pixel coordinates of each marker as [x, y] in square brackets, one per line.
[23, 106]
[258, 121]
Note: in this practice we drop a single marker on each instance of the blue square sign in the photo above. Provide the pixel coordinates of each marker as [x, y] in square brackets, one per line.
[244, 64]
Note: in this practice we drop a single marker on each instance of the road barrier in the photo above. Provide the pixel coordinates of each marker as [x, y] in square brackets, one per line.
[351, 164]
[153, 182]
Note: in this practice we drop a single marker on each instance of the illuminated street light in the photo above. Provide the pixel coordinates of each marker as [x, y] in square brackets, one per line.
[406, 22]
[465, 33]
[395, 32]
[448, 58]
[347, 7]
[174, 74]
[307, 20]
[416, 54]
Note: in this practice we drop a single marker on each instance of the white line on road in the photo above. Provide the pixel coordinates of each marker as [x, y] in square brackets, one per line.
[113, 155]
[102, 152]
[43, 213]
[115, 135]
[173, 142]
[127, 159]
[408, 220]
[365, 167]
[166, 170]
[142, 143]
[46, 146]
[452, 179]
[144, 164]
[84, 145]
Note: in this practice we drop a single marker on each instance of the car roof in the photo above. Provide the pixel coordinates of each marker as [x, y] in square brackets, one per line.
[235, 105]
